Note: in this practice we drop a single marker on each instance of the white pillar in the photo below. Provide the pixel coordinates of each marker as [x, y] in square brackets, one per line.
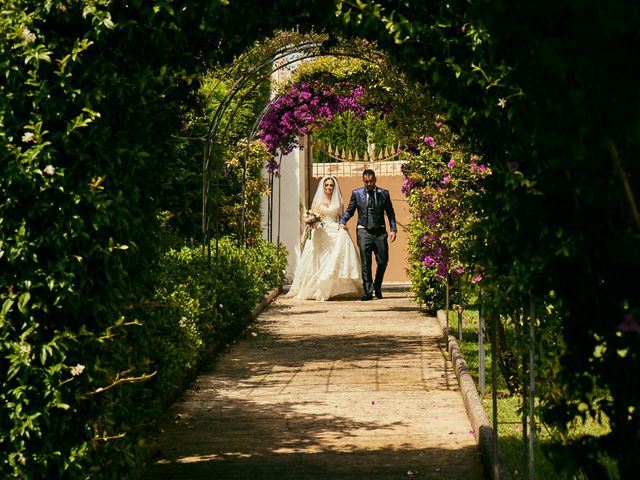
[289, 204]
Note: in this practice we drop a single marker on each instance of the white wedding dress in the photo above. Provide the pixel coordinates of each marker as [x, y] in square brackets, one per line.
[329, 265]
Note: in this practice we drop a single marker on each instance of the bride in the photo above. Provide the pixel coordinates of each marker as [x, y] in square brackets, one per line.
[329, 265]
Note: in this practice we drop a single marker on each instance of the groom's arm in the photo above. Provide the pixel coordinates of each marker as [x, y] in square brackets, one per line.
[392, 217]
[351, 209]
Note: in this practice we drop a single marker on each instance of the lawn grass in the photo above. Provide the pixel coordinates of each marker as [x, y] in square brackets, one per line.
[509, 410]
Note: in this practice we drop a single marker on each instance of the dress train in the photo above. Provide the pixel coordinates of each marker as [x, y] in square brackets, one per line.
[329, 265]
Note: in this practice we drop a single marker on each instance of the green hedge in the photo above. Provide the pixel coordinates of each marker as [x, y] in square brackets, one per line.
[90, 100]
[195, 301]
[60, 424]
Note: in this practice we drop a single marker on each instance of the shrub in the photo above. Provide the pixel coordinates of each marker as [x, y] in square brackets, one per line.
[442, 183]
[195, 301]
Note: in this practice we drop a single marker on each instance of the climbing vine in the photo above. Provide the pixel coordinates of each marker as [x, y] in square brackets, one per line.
[521, 88]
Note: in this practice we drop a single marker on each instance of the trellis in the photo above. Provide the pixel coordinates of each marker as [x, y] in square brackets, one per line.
[249, 71]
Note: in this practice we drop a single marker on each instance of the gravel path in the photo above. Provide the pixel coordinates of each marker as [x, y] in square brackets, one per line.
[342, 389]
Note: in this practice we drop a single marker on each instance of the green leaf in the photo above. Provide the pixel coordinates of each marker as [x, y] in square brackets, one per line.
[22, 302]
[6, 306]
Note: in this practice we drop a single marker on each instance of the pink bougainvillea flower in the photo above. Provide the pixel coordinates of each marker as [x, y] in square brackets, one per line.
[476, 279]
[386, 108]
[306, 106]
[429, 141]
[451, 164]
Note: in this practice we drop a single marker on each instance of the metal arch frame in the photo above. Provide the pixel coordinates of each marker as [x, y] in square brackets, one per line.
[311, 49]
[304, 50]
[213, 132]
[215, 124]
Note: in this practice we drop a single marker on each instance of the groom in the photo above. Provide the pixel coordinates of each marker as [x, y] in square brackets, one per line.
[372, 203]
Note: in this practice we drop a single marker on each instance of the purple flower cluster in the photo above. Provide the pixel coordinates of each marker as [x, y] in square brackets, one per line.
[435, 250]
[272, 166]
[306, 106]
[480, 169]
[386, 108]
[429, 141]
[407, 185]
[477, 168]
[414, 149]
[436, 192]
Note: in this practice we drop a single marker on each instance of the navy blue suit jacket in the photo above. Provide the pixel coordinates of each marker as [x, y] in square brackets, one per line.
[359, 201]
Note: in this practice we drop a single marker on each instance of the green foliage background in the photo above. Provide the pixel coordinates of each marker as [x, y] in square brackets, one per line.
[540, 94]
[91, 95]
[92, 98]
[181, 192]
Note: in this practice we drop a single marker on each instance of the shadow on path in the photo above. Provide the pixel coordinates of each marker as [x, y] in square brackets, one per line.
[346, 392]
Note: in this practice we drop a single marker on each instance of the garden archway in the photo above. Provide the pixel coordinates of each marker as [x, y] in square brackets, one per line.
[284, 52]
[90, 98]
[462, 67]
[483, 99]
[280, 53]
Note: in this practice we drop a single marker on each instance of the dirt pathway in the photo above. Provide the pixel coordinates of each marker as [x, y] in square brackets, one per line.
[324, 390]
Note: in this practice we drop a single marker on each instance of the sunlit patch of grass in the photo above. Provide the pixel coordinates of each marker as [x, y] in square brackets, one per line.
[470, 348]
[510, 426]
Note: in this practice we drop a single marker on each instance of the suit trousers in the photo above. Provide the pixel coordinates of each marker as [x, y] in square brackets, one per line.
[373, 240]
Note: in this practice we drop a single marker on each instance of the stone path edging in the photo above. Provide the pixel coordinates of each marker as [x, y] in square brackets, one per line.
[483, 430]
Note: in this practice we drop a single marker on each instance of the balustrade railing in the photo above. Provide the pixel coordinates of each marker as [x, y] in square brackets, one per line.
[333, 160]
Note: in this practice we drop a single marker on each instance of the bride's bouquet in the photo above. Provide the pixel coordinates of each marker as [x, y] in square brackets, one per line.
[312, 219]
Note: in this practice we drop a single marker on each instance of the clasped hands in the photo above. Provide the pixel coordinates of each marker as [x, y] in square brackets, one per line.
[392, 235]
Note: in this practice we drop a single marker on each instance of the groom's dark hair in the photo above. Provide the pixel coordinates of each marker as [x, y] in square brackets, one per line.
[368, 171]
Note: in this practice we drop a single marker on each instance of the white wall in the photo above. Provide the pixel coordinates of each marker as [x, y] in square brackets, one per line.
[289, 194]
[289, 191]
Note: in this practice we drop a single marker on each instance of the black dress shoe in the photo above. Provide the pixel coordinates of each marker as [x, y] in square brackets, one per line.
[378, 293]
[367, 296]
